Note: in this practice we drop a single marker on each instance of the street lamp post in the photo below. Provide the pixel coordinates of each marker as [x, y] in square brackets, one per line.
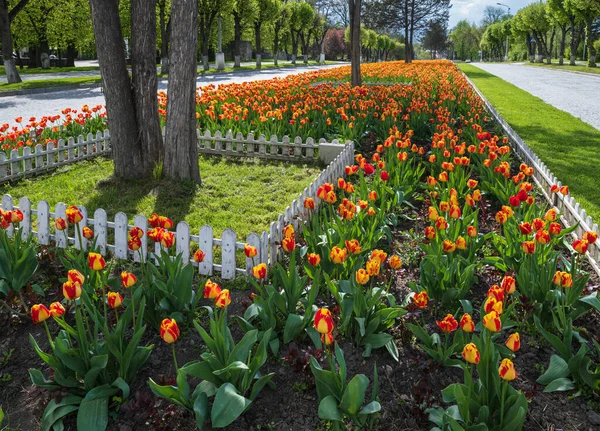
[508, 7]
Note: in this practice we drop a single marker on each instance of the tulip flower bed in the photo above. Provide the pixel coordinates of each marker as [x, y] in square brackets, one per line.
[431, 288]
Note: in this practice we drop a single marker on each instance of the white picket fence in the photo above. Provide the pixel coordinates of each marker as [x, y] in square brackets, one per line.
[30, 162]
[572, 212]
[267, 243]
[39, 159]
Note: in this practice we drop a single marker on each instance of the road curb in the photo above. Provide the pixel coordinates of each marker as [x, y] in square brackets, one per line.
[48, 89]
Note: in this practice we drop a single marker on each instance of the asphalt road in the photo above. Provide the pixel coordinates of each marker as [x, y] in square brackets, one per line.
[575, 93]
[38, 105]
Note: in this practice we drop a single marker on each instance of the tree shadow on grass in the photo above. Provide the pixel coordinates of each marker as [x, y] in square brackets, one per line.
[174, 198]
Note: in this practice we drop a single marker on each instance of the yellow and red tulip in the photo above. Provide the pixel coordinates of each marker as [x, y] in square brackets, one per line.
[507, 370]
[39, 313]
[224, 299]
[288, 244]
[338, 255]
[60, 224]
[114, 299]
[323, 321]
[508, 284]
[471, 354]
[96, 261]
[353, 246]
[447, 324]
[492, 321]
[167, 239]
[580, 246]
[87, 232]
[57, 309]
[212, 289]
[362, 276]
[260, 271]
[420, 299]
[513, 342]
[395, 262]
[199, 256]
[313, 258]
[466, 323]
[71, 290]
[169, 331]
[128, 279]
[74, 216]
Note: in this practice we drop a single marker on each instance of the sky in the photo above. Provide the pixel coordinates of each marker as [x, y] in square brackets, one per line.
[472, 10]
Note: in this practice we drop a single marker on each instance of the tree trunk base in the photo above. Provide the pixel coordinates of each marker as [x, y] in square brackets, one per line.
[164, 65]
[572, 60]
[237, 61]
[258, 61]
[305, 59]
[12, 75]
[294, 59]
[205, 65]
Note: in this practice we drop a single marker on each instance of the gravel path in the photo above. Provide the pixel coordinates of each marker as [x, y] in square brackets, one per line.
[575, 93]
[38, 105]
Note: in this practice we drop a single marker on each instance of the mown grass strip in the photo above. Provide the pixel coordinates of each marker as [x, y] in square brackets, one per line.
[567, 145]
[46, 83]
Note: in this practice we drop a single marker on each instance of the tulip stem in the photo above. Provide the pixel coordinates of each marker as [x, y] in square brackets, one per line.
[174, 357]
[48, 334]
[504, 384]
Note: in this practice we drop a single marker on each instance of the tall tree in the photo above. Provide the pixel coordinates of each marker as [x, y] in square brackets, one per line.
[435, 38]
[164, 25]
[208, 12]
[280, 25]
[181, 144]
[355, 7]
[588, 11]
[6, 17]
[244, 13]
[561, 17]
[465, 40]
[133, 147]
[492, 14]
[268, 10]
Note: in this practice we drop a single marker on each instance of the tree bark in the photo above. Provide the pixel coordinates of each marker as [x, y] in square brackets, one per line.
[355, 7]
[590, 43]
[563, 42]
[257, 28]
[145, 81]
[71, 54]
[12, 75]
[237, 37]
[165, 29]
[125, 140]
[181, 145]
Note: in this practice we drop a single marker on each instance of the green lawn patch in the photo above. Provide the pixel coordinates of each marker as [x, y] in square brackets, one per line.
[567, 145]
[36, 70]
[566, 67]
[45, 83]
[243, 194]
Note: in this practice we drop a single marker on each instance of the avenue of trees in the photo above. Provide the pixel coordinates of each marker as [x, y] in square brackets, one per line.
[562, 29]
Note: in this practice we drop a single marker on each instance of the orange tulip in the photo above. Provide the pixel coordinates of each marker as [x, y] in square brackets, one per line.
[448, 246]
[323, 321]
[250, 251]
[224, 299]
[260, 271]
[580, 246]
[71, 290]
[508, 284]
[309, 204]
[199, 256]
[16, 216]
[74, 216]
[134, 243]
[454, 212]
[313, 259]
[373, 266]
[492, 321]
[507, 370]
[338, 255]
[542, 237]
[167, 239]
[492, 304]
[57, 309]
[288, 231]
[447, 324]
[441, 223]
[528, 247]
[395, 262]
[96, 261]
[420, 299]
[564, 190]
[471, 231]
[39, 313]
[513, 342]
[590, 237]
[461, 243]
[288, 244]
[169, 331]
[60, 224]
[362, 277]
[538, 224]
[433, 214]
[165, 222]
[466, 323]
[211, 289]
[353, 246]
[87, 233]
[430, 232]
[114, 299]
[555, 229]
[471, 354]
[156, 234]
[128, 279]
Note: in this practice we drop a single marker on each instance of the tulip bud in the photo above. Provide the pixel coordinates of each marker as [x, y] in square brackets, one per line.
[323, 321]
[513, 342]
[96, 261]
[507, 370]
[471, 354]
[71, 290]
[199, 256]
[466, 323]
[114, 299]
[39, 313]
[128, 279]
[362, 277]
[57, 309]
[420, 299]
[447, 324]
[211, 289]
[224, 299]
[313, 259]
[260, 271]
[169, 331]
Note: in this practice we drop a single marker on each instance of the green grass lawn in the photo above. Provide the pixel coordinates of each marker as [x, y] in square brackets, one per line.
[45, 83]
[567, 145]
[243, 194]
[36, 70]
[566, 67]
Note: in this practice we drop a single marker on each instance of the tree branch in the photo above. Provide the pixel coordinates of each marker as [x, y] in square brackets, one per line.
[18, 8]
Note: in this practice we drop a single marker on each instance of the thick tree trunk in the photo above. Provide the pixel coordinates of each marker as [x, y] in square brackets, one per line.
[257, 27]
[237, 37]
[71, 54]
[145, 81]
[165, 28]
[276, 45]
[12, 75]
[181, 146]
[590, 44]
[205, 65]
[125, 140]
[561, 49]
[355, 6]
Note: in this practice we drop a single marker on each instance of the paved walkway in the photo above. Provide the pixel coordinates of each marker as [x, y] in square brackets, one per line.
[575, 93]
[38, 105]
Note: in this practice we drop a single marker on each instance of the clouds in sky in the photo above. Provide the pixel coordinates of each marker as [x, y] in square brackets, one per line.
[472, 10]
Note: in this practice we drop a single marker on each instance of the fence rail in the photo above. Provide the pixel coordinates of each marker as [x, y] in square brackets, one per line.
[572, 212]
[111, 235]
[40, 159]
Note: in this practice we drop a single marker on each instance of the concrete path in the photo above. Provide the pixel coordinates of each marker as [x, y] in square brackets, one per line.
[38, 105]
[575, 93]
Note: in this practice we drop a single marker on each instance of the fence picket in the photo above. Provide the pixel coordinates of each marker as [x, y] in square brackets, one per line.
[205, 243]
[121, 235]
[228, 249]
[27, 160]
[182, 241]
[141, 222]
[264, 248]
[101, 230]
[7, 205]
[43, 219]
[25, 207]
[15, 164]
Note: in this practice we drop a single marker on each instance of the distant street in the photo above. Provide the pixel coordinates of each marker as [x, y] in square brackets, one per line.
[38, 105]
[575, 93]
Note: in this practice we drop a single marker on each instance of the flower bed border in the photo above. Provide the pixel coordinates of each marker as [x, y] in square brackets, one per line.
[573, 212]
